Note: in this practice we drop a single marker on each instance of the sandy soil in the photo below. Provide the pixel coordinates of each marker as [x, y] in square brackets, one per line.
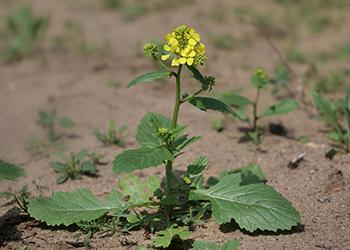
[76, 86]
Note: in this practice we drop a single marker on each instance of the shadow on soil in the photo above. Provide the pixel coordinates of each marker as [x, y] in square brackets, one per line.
[233, 226]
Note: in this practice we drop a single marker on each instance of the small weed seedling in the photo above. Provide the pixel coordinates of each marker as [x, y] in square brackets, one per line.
[49, 121]
[113, 135]
[260, 82]
[173, 210]
[75, 165]
[328, 112]
[24, 31]
[12, 172]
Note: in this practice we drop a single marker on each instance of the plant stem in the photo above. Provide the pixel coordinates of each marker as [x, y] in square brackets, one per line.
[177, 99]
[255, 111]
[169, 165]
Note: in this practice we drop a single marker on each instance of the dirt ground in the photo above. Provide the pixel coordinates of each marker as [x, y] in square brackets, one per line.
[75, 86]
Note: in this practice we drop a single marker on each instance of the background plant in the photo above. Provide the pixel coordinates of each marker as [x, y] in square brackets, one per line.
[340, 128]
[260, 82]
[75, 165]
[23, 32]
[181, 203]
[49, 121]
[112, 136]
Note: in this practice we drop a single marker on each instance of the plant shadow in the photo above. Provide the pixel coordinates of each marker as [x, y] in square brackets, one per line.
[8, 225]
[233, 226]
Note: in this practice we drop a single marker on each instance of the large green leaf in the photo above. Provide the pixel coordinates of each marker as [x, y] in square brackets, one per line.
[207, 103]
[209, 245]
[150, 77]
[9, 171]
[280, 108]
[72, 207]
[140, 158]
[147, 130]
[255, 206]
[164, 237]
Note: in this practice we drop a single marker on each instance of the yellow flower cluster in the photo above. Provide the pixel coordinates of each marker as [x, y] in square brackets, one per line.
[184, 47]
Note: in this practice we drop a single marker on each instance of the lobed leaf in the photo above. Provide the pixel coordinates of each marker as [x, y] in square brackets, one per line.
[254, 206]
[150, 77]
[9, 171]
[283, 107]
[164, 237]
[141, 158]
[68, 208]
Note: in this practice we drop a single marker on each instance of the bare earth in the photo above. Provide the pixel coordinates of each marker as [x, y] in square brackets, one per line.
[76, 87]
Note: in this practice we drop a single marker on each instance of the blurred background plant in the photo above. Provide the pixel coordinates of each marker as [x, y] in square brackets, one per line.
[23, 33]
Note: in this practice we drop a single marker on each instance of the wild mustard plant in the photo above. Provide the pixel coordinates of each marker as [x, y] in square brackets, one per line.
[181, 203]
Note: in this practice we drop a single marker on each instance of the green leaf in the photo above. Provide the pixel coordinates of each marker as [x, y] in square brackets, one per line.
[197, 166]
[186, 142]
[148, 128]
[230, 245]
[206, 82]
[58, 166]
[9, 171]
[234, 99]
[66, 122]
[254, 206]
[150, 77]
[209, 245]
[141, 158]
[207, 103]
[250, 174]
[153, 183]
[62, 179]
[164, 237]
[327, 112]
[283, 107]
[70, 207]
[139, 191]
[87, 167]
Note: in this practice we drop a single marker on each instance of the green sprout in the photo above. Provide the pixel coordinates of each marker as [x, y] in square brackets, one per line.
[74, 166]
[49, 121]
[328, 112]
[260, 81]
[23, 31]
[112, 136]
[171, 211]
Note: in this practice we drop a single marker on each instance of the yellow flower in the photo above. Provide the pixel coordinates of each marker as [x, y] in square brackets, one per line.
[183, 46]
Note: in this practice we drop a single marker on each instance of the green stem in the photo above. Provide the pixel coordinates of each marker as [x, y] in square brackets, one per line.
[177, 99]
[255, 111]
[190, 96]
[169, 165]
